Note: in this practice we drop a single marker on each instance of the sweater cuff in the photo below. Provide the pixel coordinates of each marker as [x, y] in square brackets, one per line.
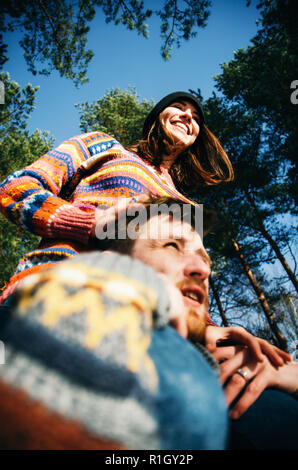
[71, 223]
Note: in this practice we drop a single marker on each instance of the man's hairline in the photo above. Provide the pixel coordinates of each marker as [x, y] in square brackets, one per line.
[172, 217]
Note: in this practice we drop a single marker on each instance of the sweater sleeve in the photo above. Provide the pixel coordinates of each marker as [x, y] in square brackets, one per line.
[33, 197]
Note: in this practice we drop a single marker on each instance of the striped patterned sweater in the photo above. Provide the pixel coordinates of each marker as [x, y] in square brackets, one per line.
[56, 196]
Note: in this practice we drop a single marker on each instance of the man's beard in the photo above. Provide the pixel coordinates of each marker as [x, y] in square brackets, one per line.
[196, 318]
[196, 324]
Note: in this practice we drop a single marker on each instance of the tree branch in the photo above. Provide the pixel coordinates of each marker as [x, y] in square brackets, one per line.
[173, 25]
[52, 26]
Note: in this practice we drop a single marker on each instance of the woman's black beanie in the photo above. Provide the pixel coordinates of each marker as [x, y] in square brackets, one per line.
[166, 101]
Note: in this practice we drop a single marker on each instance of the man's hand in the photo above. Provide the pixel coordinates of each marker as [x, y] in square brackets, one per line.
[225, 342]
[262, 364]
[260, 375]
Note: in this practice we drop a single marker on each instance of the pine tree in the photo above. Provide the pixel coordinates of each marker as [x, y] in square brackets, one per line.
[18, 148]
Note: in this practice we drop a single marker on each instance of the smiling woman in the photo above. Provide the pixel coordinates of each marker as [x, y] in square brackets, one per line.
[178, 142]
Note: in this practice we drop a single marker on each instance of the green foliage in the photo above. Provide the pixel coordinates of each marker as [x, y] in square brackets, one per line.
[55, 31]
[119, 113]
[248, 211]
[17, 106]
[131, 14]
[14, 243]
[259, 79]
[262, 143]
[178, 24]
[17, 149]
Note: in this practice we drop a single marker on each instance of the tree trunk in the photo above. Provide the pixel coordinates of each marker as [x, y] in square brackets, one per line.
[218, 302]
[281, 340]
[273, 243]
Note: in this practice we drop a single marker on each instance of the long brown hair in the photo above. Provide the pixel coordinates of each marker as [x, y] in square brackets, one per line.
[205, 162]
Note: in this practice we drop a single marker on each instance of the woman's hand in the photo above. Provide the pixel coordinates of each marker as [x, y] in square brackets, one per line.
[225, 342]
[105, 218]
[258, 375]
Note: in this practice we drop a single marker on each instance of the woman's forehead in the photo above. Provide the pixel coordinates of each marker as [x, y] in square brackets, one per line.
[187, 103]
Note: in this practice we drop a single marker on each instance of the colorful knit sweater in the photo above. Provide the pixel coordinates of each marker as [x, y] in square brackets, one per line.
[57, 195]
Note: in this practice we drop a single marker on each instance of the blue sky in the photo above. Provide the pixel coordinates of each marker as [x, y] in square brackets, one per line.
[122, 59]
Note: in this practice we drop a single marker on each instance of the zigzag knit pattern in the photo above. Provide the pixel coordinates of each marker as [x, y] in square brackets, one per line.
[57, 195]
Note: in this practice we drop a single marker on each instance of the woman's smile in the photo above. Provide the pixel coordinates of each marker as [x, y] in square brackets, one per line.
[182, 125]
[181, 122]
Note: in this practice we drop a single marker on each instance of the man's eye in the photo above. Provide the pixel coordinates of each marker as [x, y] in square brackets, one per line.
[172, 245]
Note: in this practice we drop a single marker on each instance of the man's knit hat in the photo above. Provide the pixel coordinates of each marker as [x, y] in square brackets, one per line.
[166, 101]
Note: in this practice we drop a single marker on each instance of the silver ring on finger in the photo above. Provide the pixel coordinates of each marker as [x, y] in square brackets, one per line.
[243, 373]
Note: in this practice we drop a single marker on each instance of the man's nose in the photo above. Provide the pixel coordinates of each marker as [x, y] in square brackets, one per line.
[197, 268]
